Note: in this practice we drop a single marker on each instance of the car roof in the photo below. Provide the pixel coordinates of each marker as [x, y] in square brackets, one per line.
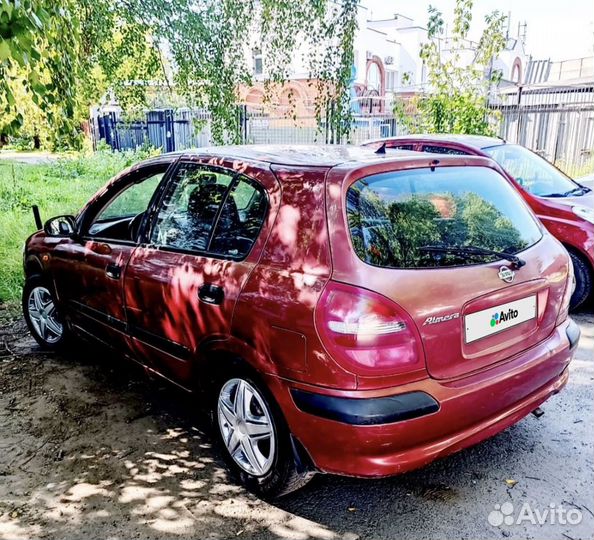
[475, 141]
[323, 155]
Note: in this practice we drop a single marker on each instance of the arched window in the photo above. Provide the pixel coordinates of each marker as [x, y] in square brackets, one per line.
[517, 71]
[374, 77]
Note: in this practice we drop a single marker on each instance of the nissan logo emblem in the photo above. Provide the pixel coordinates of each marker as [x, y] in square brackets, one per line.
[506, 274]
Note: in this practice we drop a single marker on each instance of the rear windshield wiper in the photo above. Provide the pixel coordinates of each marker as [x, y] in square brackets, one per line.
[578, 190]
[475, 250]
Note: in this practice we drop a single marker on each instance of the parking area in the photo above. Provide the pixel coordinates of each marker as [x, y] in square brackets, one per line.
[90, 447]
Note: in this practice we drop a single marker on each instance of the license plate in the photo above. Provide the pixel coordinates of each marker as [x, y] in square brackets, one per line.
[496, 319]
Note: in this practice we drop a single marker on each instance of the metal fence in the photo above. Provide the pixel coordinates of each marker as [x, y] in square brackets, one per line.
[185, 128]
[163, 128]
[555, 121]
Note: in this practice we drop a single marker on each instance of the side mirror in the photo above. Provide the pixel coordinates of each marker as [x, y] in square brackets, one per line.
[60, 226]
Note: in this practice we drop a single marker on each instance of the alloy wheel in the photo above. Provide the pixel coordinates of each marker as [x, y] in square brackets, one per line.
[246, 426]
[43, 315]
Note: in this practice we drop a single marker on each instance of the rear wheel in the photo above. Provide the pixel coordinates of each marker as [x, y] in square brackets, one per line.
[42, 315]
[583, 281]
[255, 439]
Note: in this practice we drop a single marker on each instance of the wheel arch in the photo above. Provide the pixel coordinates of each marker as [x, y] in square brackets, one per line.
[580, 253]
[33, 266]
[220, 358]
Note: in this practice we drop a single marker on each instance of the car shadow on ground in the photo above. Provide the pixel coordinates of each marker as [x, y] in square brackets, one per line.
[91, 447]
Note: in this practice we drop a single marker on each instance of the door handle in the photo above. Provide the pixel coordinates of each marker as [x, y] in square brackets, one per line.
[211, 294]
[101, 248]
[113, 271]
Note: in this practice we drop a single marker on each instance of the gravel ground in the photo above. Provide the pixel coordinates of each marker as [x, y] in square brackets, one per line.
[90, 448]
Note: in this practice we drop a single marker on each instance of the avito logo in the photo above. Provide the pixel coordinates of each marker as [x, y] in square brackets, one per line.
[498, 318]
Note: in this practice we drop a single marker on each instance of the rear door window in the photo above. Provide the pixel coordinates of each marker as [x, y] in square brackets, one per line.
[241, 219]
[187, 216]
[393, 217]
[212, 212]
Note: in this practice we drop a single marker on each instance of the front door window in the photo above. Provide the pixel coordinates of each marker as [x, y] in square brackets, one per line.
[120, 216]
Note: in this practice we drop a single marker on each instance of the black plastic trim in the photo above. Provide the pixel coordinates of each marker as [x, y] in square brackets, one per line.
[366, 412]
[100, 316]
[170, 347]
[573, 333]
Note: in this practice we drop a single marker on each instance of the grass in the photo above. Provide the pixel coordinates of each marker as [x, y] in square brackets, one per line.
[61, 187]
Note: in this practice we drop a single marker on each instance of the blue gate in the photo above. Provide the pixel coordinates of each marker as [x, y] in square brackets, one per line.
[158, 129]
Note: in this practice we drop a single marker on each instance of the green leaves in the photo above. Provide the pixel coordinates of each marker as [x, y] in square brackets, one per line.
[59, 58]
[4, 50]
[457, 97]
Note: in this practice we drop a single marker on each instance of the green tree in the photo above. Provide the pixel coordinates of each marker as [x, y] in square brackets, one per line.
[457, 97]
[208, 41]
[69, 53]
[26, 30]
[58, 58]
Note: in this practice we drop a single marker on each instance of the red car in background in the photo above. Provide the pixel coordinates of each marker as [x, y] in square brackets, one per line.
[565, 207]
[338, 310]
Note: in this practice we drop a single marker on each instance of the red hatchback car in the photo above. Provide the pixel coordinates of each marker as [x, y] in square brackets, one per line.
[339, 311]
[564, 206]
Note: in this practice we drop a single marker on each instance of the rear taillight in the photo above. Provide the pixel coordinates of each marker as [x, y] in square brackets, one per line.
[566, 299]
[367, 333]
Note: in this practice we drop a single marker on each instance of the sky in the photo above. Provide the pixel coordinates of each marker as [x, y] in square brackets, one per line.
[557, 29]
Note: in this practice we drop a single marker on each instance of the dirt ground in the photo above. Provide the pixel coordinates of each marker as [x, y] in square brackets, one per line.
[90, 448]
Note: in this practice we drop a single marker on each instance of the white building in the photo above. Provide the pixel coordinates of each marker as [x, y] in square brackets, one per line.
[386, 62]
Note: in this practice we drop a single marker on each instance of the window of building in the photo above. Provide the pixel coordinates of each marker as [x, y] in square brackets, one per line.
[391, 78]
[258, 63]
[374, 77]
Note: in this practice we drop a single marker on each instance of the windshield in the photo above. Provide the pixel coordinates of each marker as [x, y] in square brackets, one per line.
[394, 217]
[535, 174]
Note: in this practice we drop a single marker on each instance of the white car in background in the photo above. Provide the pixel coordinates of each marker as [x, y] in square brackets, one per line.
[587, 181]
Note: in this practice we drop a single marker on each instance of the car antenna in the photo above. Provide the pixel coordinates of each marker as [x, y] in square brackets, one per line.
[381, 149]
[433, 163]
[501, 138]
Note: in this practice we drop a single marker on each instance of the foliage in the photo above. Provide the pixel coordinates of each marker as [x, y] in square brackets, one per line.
[577, 170]
[457, 99]
[36, 48]
[211, 41]
[331, 66]
[58, 188]
[58, 58]
[68, 54]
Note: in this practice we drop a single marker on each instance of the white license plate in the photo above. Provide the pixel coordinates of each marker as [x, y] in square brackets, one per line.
[498, 318]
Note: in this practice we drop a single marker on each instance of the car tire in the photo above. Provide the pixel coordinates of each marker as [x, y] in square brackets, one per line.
[583, 281]
[41, 314]
[256, 443]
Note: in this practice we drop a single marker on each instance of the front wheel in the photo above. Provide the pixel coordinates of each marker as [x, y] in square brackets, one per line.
[255, 438]
[583, 281]
[41, 314]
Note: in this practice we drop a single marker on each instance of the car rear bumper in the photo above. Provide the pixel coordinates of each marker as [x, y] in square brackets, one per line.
[343, 431]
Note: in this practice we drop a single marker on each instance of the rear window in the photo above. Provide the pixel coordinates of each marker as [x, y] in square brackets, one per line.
[393, 217]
